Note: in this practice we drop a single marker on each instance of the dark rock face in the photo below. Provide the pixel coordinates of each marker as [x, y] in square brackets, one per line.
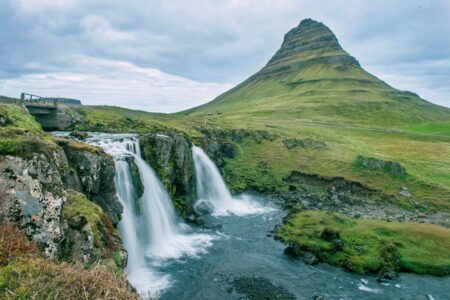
[137, 183]
[329, 234]
[391, 167]
[220, 144]
[32, 195]
[170, 155]
[95, 171]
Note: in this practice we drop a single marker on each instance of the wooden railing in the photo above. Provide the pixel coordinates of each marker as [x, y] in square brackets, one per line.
[38, 100]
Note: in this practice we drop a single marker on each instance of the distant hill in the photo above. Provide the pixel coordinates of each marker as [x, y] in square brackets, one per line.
[311, 77]
[67, 101]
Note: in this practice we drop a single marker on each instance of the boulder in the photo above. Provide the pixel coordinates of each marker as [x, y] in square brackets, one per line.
[391, 167]
[203, 207]
[405, 192]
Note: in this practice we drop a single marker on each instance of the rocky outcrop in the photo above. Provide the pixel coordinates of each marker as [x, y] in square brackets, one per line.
[352, 199]
[89, 235]
[304, 143]
[170, 156]
[371, 163]
[92, 173]
[221, 143]
[32, 196]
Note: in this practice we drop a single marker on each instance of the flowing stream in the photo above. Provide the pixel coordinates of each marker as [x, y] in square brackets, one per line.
[235, 260]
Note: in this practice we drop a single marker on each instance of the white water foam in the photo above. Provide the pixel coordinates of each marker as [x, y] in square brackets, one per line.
[212, 189]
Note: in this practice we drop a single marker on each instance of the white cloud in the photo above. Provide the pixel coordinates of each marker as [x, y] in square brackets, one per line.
[105, 82]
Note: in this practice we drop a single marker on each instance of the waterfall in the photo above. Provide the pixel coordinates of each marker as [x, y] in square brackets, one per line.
[213, 192]
[153, 234]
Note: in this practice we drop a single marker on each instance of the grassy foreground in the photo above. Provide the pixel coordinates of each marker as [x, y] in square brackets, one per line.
[367, 245]
[25, 274]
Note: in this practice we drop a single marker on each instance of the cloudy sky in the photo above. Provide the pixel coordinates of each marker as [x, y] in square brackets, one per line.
[167, 56]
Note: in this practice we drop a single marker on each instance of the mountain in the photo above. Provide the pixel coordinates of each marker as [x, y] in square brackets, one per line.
[312, 78]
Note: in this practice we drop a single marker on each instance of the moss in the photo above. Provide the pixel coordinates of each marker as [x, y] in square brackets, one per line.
[370, 246]
[78, 146]
[78, 211]
[25, 146]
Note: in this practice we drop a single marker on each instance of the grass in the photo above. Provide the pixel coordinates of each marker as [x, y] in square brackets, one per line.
[17, 120]
[432, 128]
[25, 274]
[423, 248]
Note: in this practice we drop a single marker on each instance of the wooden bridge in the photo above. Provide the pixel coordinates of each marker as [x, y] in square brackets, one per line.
[46, 111]
[39, 105]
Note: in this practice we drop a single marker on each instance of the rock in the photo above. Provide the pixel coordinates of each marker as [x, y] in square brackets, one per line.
[259, 288]
[89, 235]
[137, 182]
[80, 135]
[3, 121]
[95, 171]
[170, 156]
[32, 195]
[338, 245]
[405, 192]
[203, 207]
[329, 234]
[293, 250]
[390, 264]
[304, 143]
[317, 297]
[310, 258]
[391, 167]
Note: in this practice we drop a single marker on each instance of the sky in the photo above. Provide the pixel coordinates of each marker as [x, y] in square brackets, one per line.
[166, 56]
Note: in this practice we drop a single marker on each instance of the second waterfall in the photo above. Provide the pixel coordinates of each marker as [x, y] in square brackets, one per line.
[212, 192]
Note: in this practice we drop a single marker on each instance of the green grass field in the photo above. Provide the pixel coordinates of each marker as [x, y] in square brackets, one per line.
[423, 248]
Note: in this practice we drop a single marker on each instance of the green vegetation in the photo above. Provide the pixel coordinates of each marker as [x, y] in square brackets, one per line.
[16, 120]
[25, 274]
[432, 128]
[368, 245]
[79, 211]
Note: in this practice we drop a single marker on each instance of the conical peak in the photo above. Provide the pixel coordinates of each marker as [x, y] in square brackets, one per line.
[310, 40]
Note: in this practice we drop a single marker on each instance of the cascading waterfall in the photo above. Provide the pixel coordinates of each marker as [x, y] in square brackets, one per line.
[152, 234]
[212, 190]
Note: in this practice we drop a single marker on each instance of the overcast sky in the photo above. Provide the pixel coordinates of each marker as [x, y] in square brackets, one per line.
[167, 56]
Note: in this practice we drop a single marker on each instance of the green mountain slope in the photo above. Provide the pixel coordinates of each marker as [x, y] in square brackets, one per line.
[312, 78]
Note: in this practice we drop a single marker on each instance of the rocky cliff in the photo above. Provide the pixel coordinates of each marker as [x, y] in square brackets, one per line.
[170, 156]
[92, 173]
[39, 177]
